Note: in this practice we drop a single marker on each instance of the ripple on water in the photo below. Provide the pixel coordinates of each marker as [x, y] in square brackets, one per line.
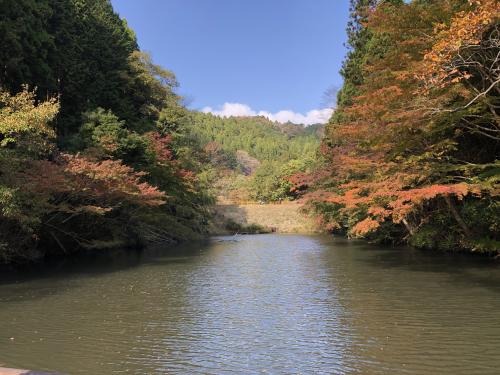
[270, 304]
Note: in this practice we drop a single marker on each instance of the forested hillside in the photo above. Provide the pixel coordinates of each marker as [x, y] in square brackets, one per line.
[255, 156]
[260, 137]
[94, 151]
[412, 152]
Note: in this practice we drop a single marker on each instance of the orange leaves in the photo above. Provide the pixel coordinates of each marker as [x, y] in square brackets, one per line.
[387, 200]
[398, 147]
[364, 227]
[407, 200]
[466, 30]
[380, 213]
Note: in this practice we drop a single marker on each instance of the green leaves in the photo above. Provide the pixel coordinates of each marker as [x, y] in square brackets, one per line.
[108, 136]
[260, 137]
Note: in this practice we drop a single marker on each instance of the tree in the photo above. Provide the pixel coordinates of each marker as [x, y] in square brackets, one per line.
[78, 49]
[402, 158]
[109, 162]
[25, 126]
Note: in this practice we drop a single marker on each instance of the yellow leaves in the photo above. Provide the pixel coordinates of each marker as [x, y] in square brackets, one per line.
[438, 27]
[91, 209]
[20, 115]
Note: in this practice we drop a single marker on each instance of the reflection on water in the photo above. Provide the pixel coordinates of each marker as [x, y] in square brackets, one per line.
[268, 303]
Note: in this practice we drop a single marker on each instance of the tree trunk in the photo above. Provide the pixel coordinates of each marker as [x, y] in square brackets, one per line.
[409, 227]
[457, 216]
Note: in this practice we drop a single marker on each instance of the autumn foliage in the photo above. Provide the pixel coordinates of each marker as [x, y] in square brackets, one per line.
[75, 200]
[76, 181]
[415, 150]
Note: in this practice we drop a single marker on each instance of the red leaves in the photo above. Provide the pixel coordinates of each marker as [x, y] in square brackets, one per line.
[113, 180]
[75, 183]
[299, 181]
[160, 145]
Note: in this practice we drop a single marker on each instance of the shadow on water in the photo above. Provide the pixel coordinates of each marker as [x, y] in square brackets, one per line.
[476, 269]
[95, 263]
[379, 256]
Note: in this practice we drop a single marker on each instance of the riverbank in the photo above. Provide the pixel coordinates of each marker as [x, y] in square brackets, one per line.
[227, 218]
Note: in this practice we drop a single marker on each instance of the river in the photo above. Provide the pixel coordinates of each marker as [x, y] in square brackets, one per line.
[256, 304]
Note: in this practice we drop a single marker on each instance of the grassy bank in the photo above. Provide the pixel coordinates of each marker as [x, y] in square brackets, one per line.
[281, 218]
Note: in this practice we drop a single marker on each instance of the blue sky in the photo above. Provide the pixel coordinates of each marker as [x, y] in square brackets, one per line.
[246, 56]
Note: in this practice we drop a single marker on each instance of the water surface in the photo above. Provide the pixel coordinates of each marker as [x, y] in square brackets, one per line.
[256, 304]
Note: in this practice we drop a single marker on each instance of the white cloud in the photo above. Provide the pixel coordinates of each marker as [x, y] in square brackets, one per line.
[316, 116]
[231, 109]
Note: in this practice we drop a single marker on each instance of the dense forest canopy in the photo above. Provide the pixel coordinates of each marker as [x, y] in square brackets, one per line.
[412, 151]
[94, 150]
[260, 137]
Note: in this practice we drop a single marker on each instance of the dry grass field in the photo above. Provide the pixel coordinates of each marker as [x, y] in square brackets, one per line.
[282, 218]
